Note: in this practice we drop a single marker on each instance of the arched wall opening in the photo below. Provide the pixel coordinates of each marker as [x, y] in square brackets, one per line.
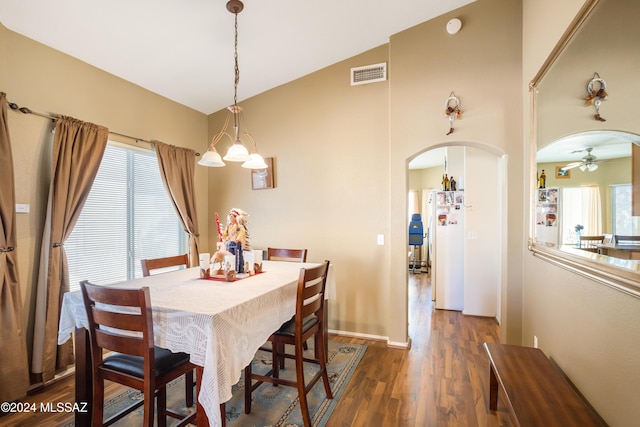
[465, 230]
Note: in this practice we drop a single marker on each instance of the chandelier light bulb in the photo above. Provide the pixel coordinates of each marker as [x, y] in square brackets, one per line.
[237, 153]
[211, 158]
[256, 161]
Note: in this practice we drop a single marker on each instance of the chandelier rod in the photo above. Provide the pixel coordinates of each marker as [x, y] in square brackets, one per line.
[236, 68]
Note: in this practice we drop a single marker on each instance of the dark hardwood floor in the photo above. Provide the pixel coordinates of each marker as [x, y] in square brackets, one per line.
[443, 380]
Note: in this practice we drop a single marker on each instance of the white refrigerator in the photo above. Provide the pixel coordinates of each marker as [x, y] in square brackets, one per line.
[548, 216]
[446, 243]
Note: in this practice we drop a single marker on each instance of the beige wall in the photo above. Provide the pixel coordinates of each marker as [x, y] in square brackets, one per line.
[47, 81]
[429, 178]
[589, 329]
[330, 143]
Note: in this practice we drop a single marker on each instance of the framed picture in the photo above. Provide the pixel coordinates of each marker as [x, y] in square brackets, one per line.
[262, 179]
[562, 173]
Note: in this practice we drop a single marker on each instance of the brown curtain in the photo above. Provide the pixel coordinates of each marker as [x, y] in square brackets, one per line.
[14, 369]
[177, 168]
[77, 152]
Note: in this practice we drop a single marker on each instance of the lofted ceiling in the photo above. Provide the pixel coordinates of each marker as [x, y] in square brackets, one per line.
[183, 49]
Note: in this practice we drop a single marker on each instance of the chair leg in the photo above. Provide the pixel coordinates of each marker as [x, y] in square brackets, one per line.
[188, 393]
[247, 389]
[98, 401]
[320, 355]
[149, 400]
[302, 392]
[277, 359]
[281, 350]
[162, 407]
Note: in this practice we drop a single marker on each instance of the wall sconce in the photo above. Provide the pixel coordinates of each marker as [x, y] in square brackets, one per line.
[452, 110]
[596, 93]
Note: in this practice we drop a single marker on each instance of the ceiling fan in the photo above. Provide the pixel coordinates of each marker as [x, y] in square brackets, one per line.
[588, 162]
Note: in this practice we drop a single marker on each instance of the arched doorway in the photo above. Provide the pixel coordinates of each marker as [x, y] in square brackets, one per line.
[466, 228]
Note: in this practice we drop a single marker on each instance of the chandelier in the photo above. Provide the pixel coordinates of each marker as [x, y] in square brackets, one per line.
[237, 152]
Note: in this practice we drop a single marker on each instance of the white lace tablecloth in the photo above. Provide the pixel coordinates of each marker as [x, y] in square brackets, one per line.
[220, 324]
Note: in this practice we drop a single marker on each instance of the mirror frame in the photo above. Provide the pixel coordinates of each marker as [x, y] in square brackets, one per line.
[622, 275]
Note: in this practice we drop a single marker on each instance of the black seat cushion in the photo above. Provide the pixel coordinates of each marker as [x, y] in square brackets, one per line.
[288, 328]
[165, 361]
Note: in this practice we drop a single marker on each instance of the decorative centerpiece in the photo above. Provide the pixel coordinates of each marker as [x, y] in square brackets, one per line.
[578, 229]
[228, 261]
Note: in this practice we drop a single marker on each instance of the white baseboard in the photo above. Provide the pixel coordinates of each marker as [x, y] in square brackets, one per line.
[372, 337]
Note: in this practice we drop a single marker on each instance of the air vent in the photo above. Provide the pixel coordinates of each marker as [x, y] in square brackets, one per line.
[369, 74]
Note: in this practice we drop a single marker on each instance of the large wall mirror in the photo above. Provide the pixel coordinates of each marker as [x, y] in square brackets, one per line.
[587, 144]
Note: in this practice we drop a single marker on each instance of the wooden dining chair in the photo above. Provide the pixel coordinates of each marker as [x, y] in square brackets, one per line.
[157, 263]
[291, 255]
[589, 243]
[281, 254]
[120, 320]
[308, 322]
[626, 240]
[151, 264]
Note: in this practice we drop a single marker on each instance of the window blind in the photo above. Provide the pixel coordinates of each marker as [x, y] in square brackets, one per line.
[128, 216]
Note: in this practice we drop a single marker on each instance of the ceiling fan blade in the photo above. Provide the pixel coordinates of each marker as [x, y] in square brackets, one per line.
[571, 165]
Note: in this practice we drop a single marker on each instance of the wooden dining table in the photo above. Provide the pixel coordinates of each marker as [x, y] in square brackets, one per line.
[619, 250]
[219, 324]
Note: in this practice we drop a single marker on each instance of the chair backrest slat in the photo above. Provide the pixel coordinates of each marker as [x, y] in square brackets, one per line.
[311, 307]
[132, 345]
[156, 263]
[313, 287]
[123, 321]
[592, 238]
[282, 254]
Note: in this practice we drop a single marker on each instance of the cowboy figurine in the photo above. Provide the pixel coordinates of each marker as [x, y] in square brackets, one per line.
[236, 236]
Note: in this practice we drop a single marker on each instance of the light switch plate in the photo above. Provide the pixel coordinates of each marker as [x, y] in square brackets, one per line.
[380, 239]
[22, 207]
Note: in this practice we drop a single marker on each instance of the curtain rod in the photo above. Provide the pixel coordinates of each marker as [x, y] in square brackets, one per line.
[25, 110]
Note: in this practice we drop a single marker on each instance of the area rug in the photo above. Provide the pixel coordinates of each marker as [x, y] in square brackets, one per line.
[272, 406]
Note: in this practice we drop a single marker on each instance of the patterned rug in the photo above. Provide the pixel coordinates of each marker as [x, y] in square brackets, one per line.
[272, 406]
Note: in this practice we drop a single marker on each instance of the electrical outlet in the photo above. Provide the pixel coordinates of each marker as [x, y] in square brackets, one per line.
[535, 341]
